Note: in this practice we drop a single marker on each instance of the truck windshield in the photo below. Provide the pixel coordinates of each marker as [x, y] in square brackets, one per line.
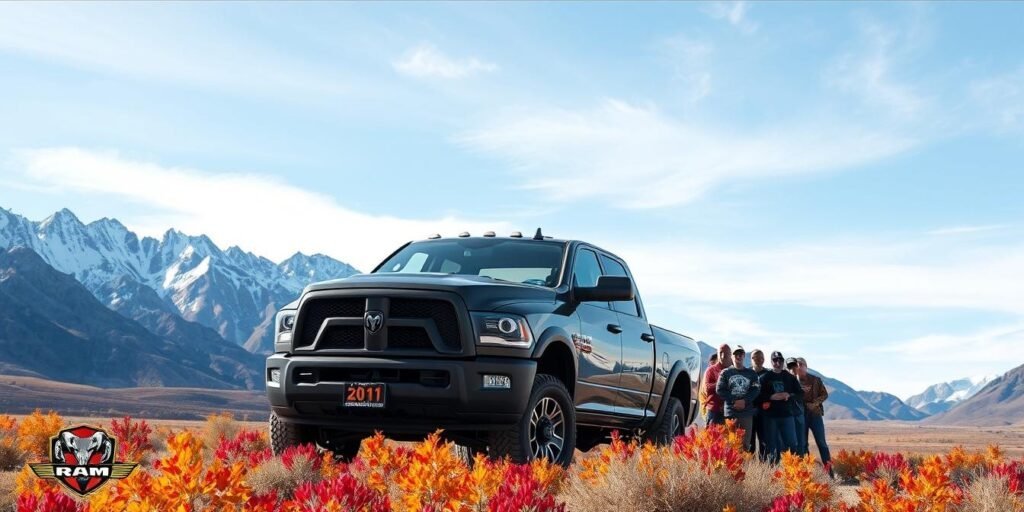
[535, 262]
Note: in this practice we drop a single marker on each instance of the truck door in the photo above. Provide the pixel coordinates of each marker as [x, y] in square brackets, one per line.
[598, 344]
[637, 349]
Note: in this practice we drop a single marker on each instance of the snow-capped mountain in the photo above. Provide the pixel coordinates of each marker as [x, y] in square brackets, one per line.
[231, 291]
[943, 396]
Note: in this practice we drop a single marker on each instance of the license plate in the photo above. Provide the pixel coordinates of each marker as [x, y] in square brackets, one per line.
[364, 394]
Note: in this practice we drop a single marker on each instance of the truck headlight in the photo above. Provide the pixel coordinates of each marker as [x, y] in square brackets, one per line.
[503, 329]
[284, 322]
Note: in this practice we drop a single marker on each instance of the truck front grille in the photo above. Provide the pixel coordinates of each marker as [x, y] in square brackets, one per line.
[316, 311]
[437, 313]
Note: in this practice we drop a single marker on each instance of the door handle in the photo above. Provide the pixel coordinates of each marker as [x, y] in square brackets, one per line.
[614, 328]
[648, 337]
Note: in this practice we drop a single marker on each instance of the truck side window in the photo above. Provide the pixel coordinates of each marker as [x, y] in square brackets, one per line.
[614, 268]
[587, 270]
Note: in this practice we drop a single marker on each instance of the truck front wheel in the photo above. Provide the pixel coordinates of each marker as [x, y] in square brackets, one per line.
[547, 428]
[284, 435]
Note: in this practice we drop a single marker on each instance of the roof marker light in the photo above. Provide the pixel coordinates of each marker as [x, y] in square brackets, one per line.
[489, 234]
[516, 234]
[464, 234]
[435, 236]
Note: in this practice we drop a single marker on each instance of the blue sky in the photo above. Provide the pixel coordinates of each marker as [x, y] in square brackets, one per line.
[840, 181]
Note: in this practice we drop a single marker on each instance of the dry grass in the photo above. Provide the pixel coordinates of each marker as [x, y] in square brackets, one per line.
[219, 426]
[685, 488]
[988, 494]
[7, 497]
[273, 475]
[11, 457]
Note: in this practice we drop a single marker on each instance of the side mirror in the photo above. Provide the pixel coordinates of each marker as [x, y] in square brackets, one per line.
[608, 289]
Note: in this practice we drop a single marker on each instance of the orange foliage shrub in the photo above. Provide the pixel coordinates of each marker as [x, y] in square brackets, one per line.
[34, 434]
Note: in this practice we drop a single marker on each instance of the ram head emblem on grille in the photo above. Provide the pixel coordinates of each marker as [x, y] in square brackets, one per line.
[373, 320]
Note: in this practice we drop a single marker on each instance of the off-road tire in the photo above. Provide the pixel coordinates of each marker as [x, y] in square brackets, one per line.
[662, 430]
[514, 442]
[284, 435]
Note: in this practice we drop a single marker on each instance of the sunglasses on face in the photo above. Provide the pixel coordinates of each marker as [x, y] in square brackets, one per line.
[778, 359]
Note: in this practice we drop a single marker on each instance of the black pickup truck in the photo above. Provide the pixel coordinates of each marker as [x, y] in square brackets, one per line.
[514, 346]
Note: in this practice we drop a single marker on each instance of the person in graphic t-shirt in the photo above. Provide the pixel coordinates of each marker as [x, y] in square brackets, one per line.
[778, 387]
[738, 387]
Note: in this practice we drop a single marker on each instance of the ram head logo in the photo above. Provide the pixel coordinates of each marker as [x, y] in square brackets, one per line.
[82, 460]
[373, 320]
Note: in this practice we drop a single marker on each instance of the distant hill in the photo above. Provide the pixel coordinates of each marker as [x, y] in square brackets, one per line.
[944, 396]
[1000, 402]
[22, 395]
[52, 327]
[847, 403]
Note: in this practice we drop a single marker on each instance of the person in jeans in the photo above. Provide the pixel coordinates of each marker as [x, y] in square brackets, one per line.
[815, 395]
[716, 409]
[738, 387]
[793, 367]
[702, 396]
[757, 362]
[778, 388]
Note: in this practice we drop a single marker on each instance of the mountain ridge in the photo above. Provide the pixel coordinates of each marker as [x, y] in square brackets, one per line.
[998, 403]
[51, 326]
[231, 291]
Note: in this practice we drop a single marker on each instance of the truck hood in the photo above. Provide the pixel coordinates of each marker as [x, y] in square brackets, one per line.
[479, 293]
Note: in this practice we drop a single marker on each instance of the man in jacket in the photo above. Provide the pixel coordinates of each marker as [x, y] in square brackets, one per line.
[738, 387]
[815, 395]
[716, 409]
[778, 387]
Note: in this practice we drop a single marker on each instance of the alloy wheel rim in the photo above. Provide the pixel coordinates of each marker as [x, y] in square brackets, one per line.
[547, 429]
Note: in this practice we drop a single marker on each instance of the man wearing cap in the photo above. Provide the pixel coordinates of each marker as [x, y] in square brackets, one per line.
[738, 387]
[778, 387]
[793, 367]
[716, 409]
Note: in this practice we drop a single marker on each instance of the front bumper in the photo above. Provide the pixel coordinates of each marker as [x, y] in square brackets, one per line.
[459, 403]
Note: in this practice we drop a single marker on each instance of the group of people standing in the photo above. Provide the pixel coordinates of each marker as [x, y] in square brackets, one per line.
[777, 406]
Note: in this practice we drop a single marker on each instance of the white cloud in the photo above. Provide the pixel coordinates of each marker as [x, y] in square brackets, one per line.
[735, 13]
[943, 356]
[929, 272]
[868, 72]
[160, 44]
[690, 63]
[258, 213]
[637, 157]
[966, 230]
[426, 61]
[1001, 99]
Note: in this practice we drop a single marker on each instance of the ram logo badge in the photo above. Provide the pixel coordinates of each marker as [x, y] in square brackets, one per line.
[373, 320]
[82, 460]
